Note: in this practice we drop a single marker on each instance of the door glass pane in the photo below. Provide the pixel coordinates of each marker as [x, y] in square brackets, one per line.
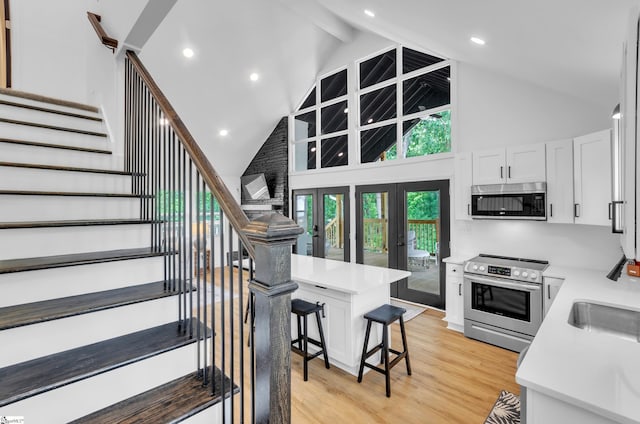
[423, 235]
[304, 218]
[375, 228]
[334, 237]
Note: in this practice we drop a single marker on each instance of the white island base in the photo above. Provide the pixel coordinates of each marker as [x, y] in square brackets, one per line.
[348, 291]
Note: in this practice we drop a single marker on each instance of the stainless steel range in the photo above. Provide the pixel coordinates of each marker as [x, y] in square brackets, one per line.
[503, 300]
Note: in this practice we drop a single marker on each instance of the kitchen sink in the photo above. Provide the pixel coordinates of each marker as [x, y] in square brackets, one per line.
[596, 318]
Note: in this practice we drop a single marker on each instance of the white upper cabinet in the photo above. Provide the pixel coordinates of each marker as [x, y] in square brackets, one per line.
[560, 181]
[517, 164]
[463, 175]
[592, 178]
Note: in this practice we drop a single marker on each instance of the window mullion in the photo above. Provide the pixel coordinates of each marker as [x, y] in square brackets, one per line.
[400, 154]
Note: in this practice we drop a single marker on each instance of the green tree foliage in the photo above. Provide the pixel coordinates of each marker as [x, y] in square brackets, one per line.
[426, 137]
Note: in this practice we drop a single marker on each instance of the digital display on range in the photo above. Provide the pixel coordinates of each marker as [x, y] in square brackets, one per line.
[498, 270]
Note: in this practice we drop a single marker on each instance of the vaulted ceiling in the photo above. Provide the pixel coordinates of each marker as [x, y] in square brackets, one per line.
[569, 46]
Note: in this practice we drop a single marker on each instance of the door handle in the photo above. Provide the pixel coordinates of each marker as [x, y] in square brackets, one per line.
[400, 243]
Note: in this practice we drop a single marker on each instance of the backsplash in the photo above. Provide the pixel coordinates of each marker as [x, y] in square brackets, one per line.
[561, 244]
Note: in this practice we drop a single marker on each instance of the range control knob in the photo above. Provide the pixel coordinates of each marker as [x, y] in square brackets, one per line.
[533, 276]
[481, 268]
[516, 273]
[475, 267]
[525, 274]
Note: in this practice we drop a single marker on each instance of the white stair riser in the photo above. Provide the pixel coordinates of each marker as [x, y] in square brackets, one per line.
[213, 414]
[36, 242]
[18, 153]
[20, 208]
[16, 178]
[35, 286]
[46, 105]
[48, 118]
[33, 341]
[45, 135]
[83, 397]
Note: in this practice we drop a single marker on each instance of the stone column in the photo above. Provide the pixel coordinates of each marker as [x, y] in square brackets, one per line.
[272, 236]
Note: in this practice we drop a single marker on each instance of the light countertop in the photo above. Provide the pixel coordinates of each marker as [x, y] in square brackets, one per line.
[457, 260]
[594, 371]
[342, 276]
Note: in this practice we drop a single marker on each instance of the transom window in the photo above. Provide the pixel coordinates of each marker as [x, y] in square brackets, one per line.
[403, 101]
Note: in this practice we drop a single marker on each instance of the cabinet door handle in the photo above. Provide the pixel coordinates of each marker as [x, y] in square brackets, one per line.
[509, 171]
[468, 208]
[501, 169]
[610, 207]
[459, 289]
[549, 292]
[576, 209]
[551, 210]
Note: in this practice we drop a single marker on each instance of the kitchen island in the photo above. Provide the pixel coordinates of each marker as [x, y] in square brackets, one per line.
[573, 375]
[348, 291]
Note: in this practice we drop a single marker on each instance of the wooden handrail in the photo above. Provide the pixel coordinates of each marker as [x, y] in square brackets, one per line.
[226, 200]
[110, 42]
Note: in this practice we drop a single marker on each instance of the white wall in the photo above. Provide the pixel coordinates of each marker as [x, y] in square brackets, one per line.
[491, 111]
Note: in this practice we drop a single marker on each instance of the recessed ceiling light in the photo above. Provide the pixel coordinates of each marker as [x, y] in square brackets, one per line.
[254, 77]
[369, 13]
[478, 41]
[224, 133]
[187, 52]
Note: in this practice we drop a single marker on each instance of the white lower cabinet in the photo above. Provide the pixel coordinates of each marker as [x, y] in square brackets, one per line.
[551, 287]
[543, 409]
[454, 297]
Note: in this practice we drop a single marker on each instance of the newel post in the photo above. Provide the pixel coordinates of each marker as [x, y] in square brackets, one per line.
[272, 236]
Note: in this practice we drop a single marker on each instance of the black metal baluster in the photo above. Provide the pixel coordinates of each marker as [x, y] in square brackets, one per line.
[165, 207]
[198, 264]
[222, 317]
[185, 256]
[252, 352]
[212, 221]
[179, 206]
[190, 279]
[241, 327]
[172, 137]
[231, 317]
[127, 111]
[207, 263]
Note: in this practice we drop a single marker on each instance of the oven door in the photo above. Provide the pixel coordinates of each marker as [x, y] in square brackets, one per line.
[508, 304]
[509, 206]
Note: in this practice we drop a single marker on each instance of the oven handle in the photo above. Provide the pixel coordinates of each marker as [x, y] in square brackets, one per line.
[506, 284]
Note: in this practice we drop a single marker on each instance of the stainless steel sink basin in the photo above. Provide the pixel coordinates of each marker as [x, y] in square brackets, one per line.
[619, 322]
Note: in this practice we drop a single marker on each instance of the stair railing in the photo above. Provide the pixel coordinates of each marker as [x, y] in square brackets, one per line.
[205, 235]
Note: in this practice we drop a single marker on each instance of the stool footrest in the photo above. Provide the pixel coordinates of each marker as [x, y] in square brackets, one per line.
[308, 356]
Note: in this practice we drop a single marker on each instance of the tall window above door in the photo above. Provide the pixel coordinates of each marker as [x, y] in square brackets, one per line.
[405, 105]
[392, 105]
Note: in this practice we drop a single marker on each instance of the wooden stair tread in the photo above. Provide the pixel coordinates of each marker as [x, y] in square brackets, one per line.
[52, 127]
[54, 146]
[170, 403]
[74, 223]
[46, 99]
[36, 376]
[49, 310]
[69, 193]
[65, 168]
[48, 110]
[30, 264]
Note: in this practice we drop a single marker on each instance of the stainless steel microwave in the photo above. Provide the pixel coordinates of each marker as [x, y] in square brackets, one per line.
[509, 201]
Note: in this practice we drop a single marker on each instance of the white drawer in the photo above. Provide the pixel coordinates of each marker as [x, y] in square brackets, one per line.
[310, 291]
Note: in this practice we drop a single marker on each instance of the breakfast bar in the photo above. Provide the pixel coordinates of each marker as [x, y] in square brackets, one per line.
[347, 291]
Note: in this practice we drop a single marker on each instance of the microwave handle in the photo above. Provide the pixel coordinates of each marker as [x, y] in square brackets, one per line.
[505, 284]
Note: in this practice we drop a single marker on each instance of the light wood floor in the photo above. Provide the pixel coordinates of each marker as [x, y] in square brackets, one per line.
[454, 380]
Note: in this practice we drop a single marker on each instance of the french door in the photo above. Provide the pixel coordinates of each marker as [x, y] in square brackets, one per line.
[406, 226]
[323, 213]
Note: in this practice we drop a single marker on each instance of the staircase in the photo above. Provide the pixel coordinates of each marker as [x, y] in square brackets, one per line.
[88, 320]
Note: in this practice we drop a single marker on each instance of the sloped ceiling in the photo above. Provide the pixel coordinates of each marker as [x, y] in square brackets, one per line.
[568, 46]
[212, 90]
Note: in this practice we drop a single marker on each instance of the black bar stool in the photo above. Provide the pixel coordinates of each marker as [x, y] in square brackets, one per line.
[385, 315]
[303, 309]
